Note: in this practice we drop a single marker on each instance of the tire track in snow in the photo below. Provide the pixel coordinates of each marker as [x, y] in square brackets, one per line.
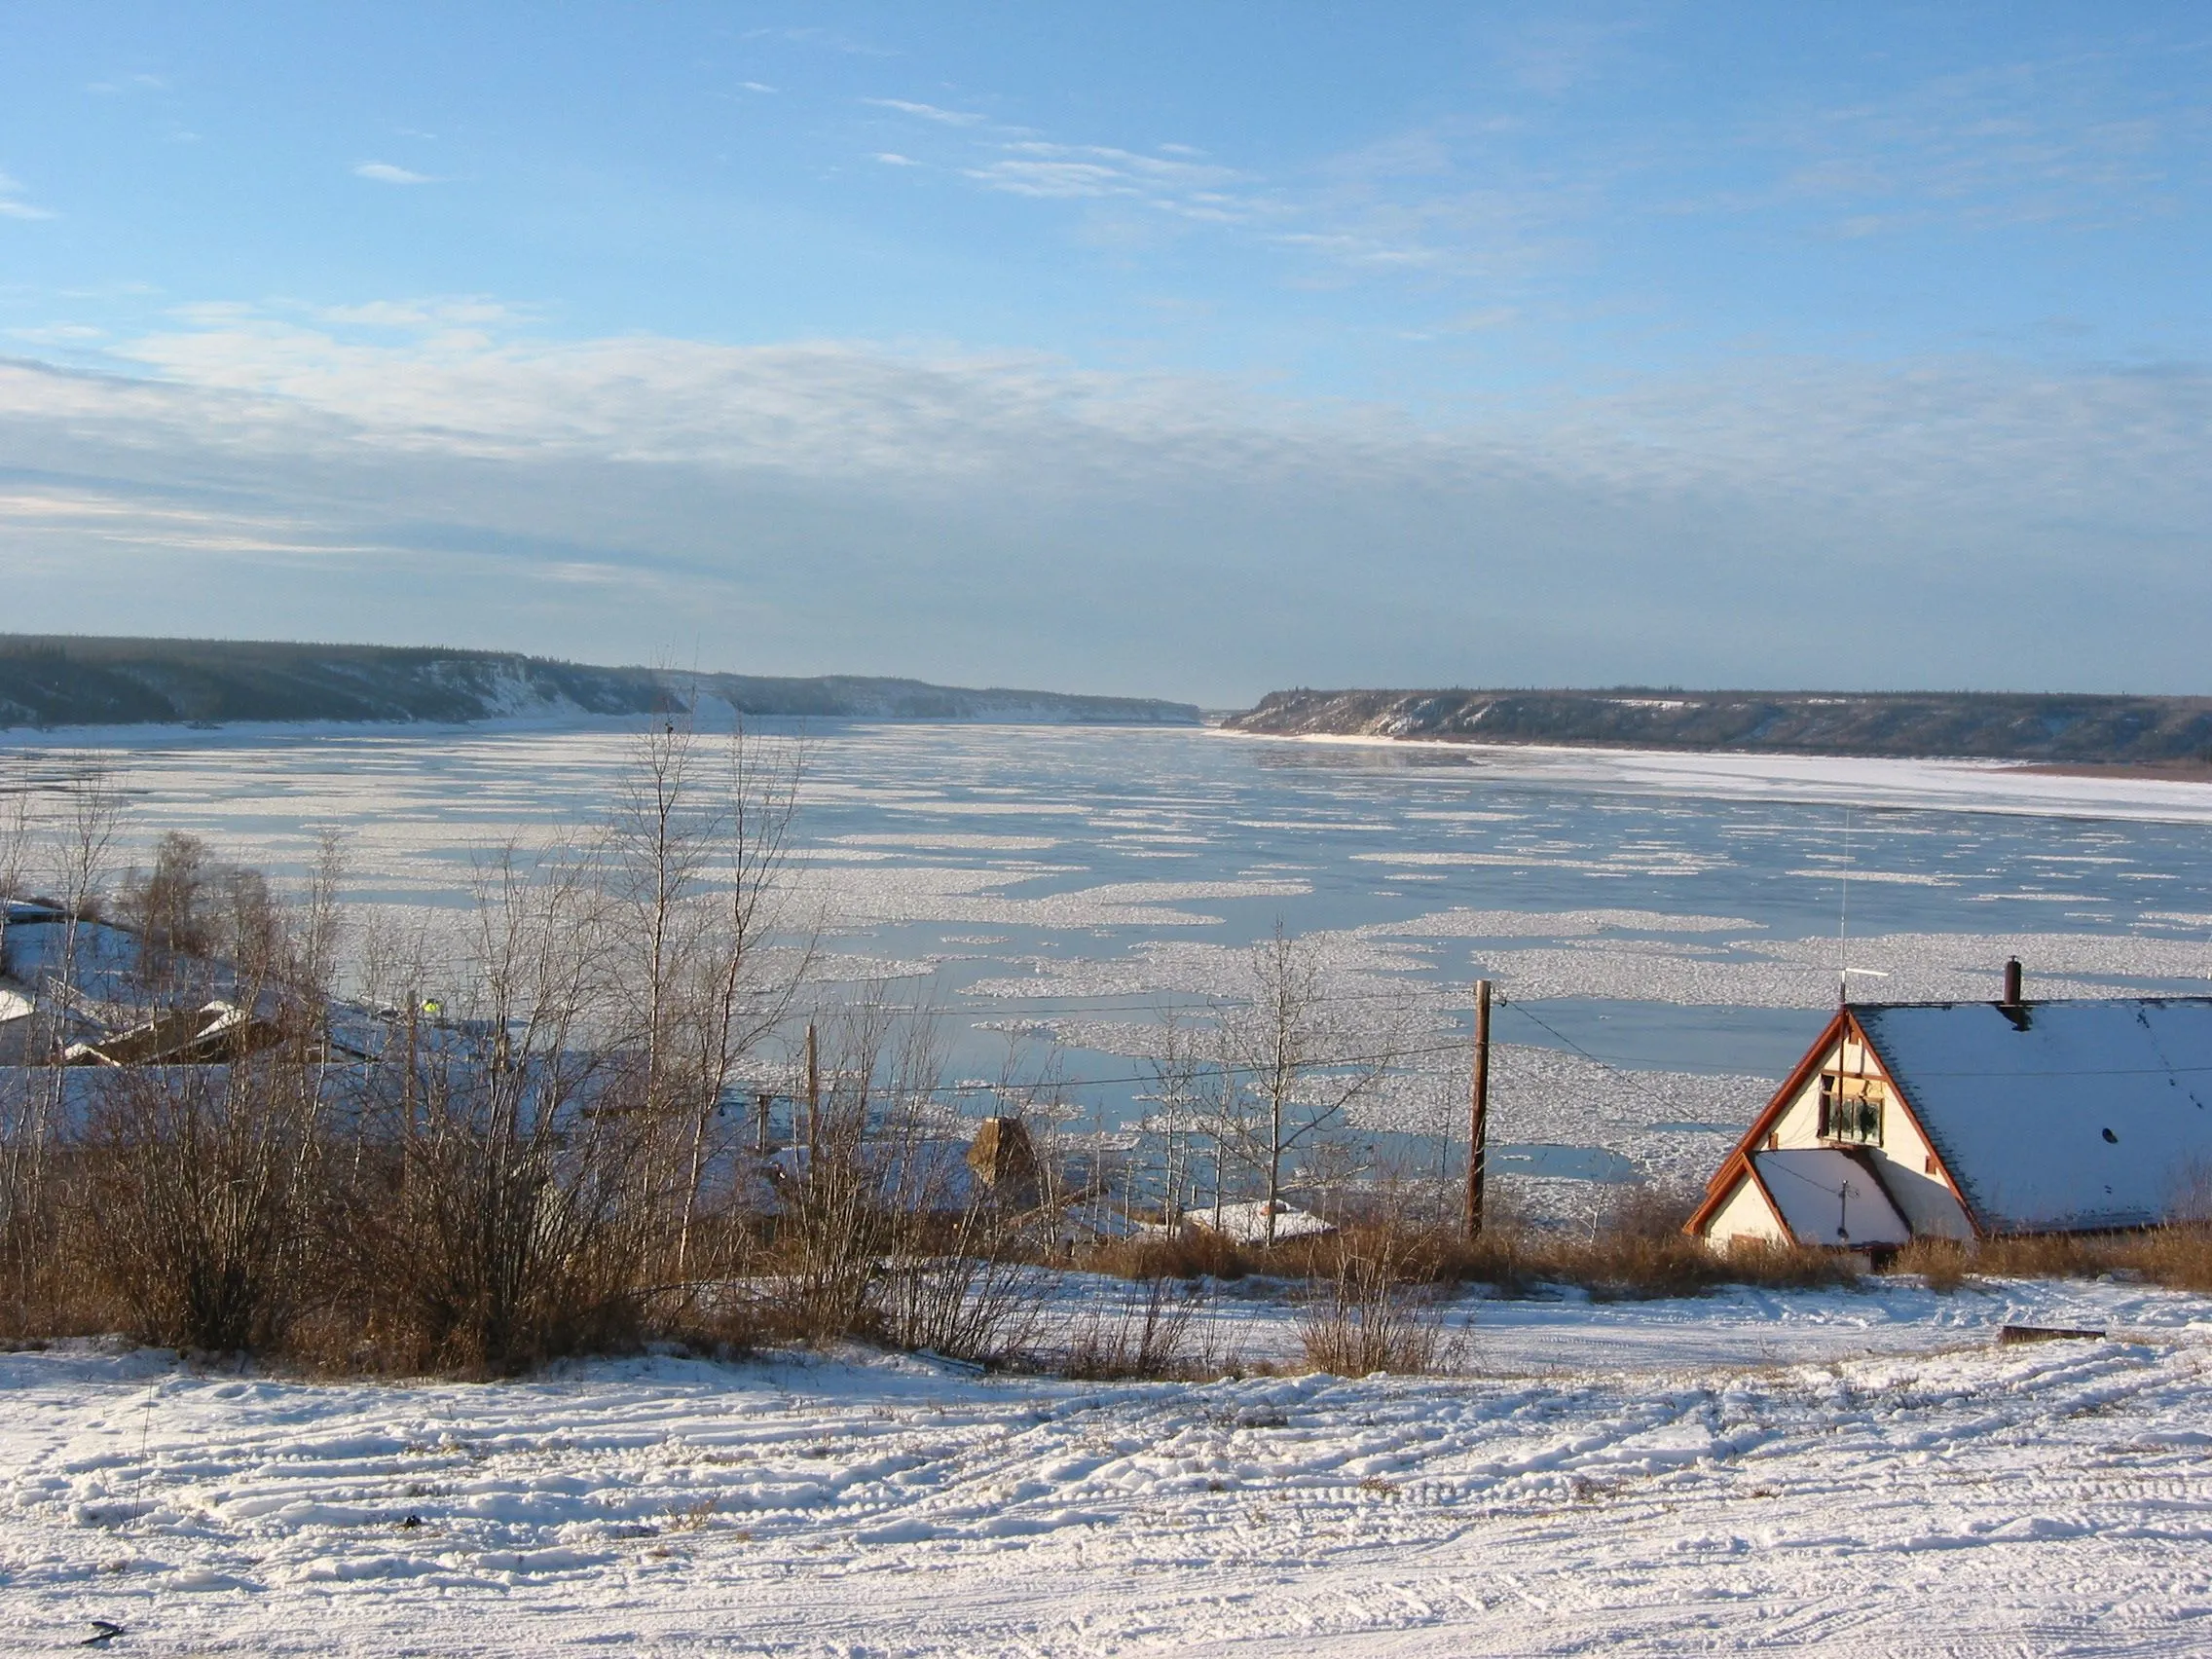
[1820, 1507]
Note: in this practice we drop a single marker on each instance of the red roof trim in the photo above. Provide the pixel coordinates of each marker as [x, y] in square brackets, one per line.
[1843, 1025]
[1718, 1188]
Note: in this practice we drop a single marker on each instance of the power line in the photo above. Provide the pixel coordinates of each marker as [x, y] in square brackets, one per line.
[1517, 1008]
[1213, 1068]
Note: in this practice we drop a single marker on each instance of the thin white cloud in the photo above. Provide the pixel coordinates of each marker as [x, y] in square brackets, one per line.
[1502, 193]
[467, 311]
[2061, 140]
[584, 573]
[58, 334]
[11, 205]
[892, 158]
[1414, 202]
[829, 40]
[929, 112]
[384, 172]
[1038, 169]
[129, 83]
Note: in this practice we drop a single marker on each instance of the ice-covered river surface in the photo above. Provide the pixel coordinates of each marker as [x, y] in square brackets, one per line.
[1666, 929]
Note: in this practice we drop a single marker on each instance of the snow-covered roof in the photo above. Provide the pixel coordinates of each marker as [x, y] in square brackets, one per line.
[2058, 1116]
[1248, 1223]
[1827, 1197]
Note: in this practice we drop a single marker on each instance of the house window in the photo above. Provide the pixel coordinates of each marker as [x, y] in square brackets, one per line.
[1851, 1109]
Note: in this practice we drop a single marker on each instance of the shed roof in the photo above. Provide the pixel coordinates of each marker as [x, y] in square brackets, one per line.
[1248, 1223]
[2057, 1116]
[1827, 1197]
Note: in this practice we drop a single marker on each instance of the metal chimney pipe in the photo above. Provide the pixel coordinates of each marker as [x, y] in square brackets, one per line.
[2012, 981]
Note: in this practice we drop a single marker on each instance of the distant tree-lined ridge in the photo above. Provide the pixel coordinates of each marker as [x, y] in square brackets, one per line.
[2051, 727]
[49, 680]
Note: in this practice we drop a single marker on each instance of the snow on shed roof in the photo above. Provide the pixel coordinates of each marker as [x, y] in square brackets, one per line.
[1827, 1197]
[1248, 1223]
[2058, 1116]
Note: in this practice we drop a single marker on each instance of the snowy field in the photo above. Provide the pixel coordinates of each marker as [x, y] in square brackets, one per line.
[1849, 1473]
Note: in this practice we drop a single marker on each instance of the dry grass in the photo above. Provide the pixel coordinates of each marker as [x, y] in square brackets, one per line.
[1194, 1253]
[2180, 1257]
[1941, 1262]
[1637, 1251]
[2177, 1257]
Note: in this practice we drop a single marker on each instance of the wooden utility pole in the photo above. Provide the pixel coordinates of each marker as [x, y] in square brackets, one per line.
[764, 1103]
[1478, 1118]
[813, 1092]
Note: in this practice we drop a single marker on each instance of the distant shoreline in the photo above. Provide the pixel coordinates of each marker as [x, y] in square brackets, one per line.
[2157, 771]
[60, 683]
[2148, 771]
[2170, 736]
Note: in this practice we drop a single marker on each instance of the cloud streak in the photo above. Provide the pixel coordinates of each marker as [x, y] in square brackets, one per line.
[384, 172]
[1545, 173]
[929, 112]
[11, 203]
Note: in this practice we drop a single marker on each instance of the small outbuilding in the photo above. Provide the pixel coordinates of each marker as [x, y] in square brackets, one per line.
[1977, 1119]
[1248, 1223]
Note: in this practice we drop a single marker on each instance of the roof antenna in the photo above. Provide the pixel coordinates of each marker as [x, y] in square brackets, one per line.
[1843, 921]
[1843, 966]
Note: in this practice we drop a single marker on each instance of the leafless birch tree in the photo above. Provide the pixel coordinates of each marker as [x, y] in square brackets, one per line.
[1293, 1061]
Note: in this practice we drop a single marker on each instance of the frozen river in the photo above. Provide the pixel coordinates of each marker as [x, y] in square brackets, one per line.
[1667, 929]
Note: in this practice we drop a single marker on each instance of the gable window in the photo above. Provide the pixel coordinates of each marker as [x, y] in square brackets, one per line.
[1851, 1109]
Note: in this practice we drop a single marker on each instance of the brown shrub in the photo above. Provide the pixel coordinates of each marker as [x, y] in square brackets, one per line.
[45, 1292]
[1148, 1335]
[1371, 1312]
[1190, 1253]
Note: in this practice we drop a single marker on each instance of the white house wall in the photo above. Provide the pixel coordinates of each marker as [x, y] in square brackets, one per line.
[1904, 1160]
[1746, 1215]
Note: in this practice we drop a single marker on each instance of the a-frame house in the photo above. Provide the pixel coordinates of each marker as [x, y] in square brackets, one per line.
[1973, 1120]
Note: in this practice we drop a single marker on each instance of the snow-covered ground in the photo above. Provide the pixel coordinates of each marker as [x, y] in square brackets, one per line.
[1860, 1473]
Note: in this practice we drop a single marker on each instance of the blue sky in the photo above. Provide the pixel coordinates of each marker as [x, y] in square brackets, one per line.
[1193, 348]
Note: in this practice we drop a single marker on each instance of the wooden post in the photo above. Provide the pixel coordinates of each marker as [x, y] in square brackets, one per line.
[1478, 1118]
[813, 1092]
[764, 1103]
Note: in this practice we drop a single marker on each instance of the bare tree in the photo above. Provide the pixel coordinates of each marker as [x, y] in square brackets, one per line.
[16, 826]
[657, 841]
[697, 863]
[168, 906]
[1292, 1063]
[850, 1189]
[205, 1175]
[1179, 1074]
[497, 1210]
[750, 953]
[81, 843]
[21, 1094]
